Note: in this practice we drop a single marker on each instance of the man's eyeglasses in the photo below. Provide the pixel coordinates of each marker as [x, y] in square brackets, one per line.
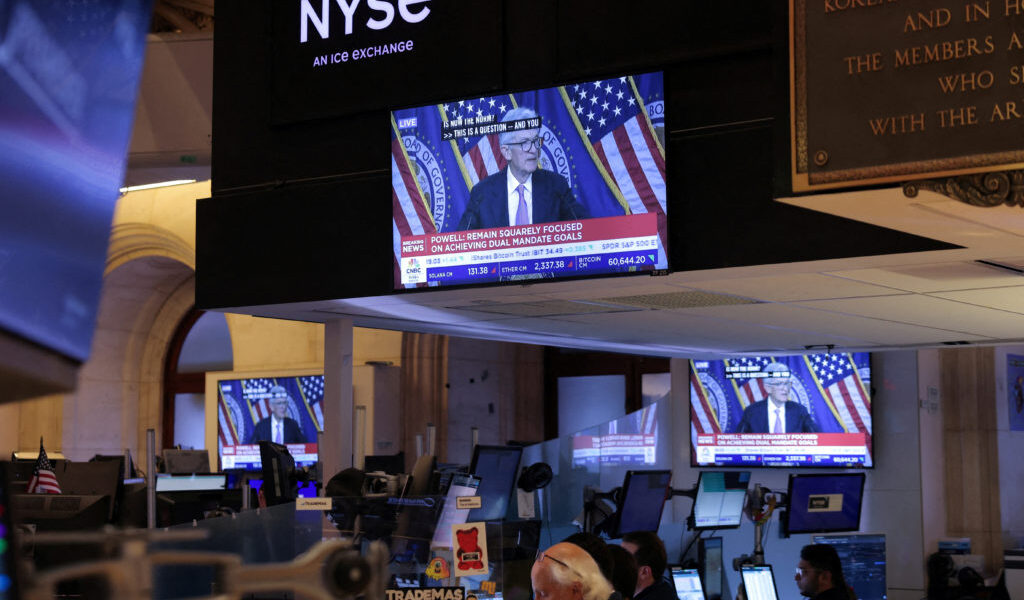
[801, 572]
[528, 145]
[541, 556]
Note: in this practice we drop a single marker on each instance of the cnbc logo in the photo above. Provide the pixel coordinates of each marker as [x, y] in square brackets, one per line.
[327, 15]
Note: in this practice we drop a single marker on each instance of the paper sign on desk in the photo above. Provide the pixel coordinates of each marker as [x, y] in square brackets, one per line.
[314, 503]
[464, 502]
[470, 549]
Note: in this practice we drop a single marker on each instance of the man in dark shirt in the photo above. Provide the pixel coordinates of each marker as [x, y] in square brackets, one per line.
[819, 574]
[651, 559]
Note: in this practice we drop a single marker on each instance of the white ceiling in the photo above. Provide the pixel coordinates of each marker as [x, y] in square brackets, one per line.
[871, 303]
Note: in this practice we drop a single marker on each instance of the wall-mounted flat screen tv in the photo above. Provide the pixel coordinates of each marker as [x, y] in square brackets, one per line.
[566, 181]
[284, 410]
[810, 410]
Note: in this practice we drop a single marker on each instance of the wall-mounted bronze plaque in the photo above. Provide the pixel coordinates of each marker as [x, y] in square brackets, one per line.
[892, 90]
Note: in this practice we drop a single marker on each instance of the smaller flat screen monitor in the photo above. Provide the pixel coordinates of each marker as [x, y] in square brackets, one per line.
[250, 409]
[278, 473]
[184, 462]
[191, 483]
[824, 503]
[642, 500]
[719, 501]
[863, 560]
[687, 583]
[461, 485]
[497, 467]
[712, 571]
[759, 582]
[811, 410]
[392, 464]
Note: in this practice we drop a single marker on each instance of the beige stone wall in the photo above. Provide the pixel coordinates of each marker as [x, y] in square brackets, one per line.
[149, 286]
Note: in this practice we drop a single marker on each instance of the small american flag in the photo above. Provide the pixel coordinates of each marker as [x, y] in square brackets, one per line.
[44, 480]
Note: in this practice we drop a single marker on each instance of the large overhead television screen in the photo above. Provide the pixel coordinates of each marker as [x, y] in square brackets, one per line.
[809, 410]
[285, 410]
[566, 181]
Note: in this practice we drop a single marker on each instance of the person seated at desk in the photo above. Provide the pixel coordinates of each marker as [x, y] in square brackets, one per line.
[819, 574]
[566, 572]
[651, 560]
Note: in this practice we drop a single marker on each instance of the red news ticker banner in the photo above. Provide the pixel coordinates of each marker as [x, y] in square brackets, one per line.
[782, 439]
[254, 449]
[522, 236]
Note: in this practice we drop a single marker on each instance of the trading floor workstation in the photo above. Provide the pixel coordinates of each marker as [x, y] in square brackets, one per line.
[476, 526]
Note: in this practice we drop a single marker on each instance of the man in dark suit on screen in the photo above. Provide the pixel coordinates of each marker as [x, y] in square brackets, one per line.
[520, 194]
[776, 414]
[278, 427]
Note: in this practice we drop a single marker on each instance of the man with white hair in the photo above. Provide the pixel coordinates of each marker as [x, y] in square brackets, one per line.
[566, 572]
[777, 414]
[521, 193]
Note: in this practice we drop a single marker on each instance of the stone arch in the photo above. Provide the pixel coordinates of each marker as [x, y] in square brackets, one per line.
[148, 286]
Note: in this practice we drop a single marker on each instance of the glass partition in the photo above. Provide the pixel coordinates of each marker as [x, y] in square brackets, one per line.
[593, 462]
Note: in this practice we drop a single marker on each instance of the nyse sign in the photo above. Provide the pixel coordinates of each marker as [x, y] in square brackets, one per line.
[337, 57]
[381, 15]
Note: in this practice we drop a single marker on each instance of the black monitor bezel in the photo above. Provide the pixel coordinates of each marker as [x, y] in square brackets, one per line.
[475, 514]
[672, 577]
[702, 560]
[620, 501]
[771, 570]
[693, 509]
[786, 518]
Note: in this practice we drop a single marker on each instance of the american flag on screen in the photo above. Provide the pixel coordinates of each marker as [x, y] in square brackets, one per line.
[312, 389]
[410, 212]
[837, 377]
[44, 480]
[750, 390]
[481, 155]
[227, 430]
[260, 407]
[610, 113]
[703, 417]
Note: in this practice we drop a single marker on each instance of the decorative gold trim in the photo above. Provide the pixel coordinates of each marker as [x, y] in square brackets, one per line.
[923, 168]
[798, 83]
[981, 189]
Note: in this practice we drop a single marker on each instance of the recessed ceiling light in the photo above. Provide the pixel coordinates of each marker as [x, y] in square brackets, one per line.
[149, 186]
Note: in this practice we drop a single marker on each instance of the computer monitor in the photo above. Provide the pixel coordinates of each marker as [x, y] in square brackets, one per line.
[712, 571]
[824, 503]
[278, 473]
[62, 512]
[392, 464]
[719, 501]
[8, 558]
[497, 467]
[863, 560]
[687, 583]
[759, 582]
[641, 501]
[183, 462]
[461, 485]
[191, 483]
